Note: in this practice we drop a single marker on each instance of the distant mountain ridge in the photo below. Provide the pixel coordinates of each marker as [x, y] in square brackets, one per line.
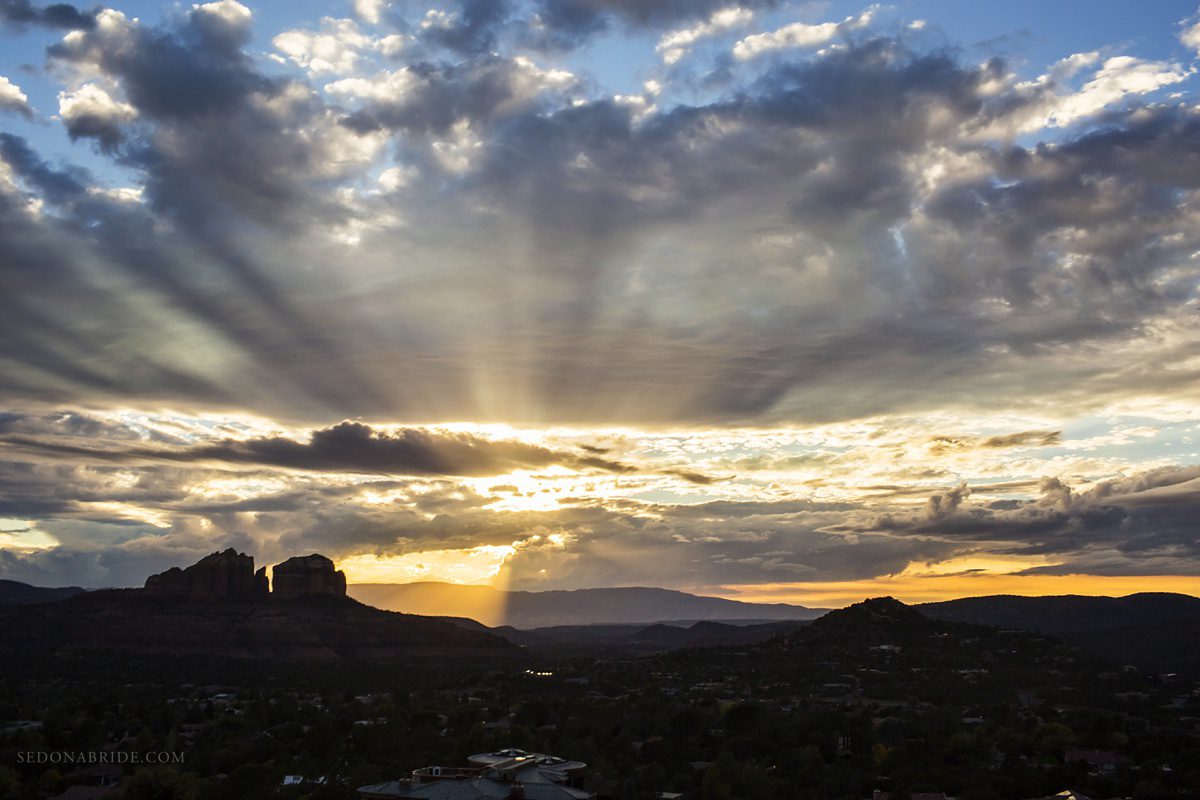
[1067, 613]
[1157, 631]
[528, 610]
[15, 593]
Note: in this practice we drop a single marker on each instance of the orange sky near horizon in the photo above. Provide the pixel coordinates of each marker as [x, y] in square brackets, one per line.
[934, 588]
[925, 583]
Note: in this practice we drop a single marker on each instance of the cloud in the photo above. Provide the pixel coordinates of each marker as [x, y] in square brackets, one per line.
[676, 44]
[355, 447]
[90, 112]
[57, 186]
[432, 100]
[55, 15]
[946, 444]
[370, 11]
[337, 48]
[798, 34]
[1117, 78]
[1025, 439]
[567, 23]
[1133, 525]
[851, 179]
[147, 507]
[1190, 34]
[471, 29]
[13, 99]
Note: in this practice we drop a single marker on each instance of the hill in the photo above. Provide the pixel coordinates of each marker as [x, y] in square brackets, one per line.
[308, 628]
[528, 610]
[1067, 613]
[222, 608]
[1153, 631]
[922, 707]
[15, 593]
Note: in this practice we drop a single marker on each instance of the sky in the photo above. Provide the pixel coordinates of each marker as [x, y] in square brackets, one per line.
[799, 302]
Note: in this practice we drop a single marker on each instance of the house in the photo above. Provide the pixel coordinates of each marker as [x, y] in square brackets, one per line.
[1101, 762]
[95, 781]
[82, 792]
[509, 774]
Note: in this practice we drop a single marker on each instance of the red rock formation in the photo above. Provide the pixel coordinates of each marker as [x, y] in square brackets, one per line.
[303, 575]
[226, 574]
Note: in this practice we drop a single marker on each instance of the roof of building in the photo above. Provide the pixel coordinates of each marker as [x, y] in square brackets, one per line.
[79, 792]
[517, 755]
[1065, 794]
[1093, 756]
[473, 789]
[385, 789]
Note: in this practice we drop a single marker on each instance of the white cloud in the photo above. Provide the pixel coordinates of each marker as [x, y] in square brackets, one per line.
[435, 18]
[390, 45]
[93, 102]
[675, 45]
[394, 178]
[1190, 35]
[1117, 78]
[798, 34]
[120, 194]
[12, 98]
[458, 153]
[335, 48]
[369, 11]
[386, 86]
[231, 11]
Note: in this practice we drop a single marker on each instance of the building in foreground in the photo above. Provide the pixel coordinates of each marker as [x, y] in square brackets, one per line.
[509, 774]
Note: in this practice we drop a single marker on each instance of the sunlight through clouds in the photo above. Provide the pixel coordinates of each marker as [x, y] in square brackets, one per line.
[696, 295]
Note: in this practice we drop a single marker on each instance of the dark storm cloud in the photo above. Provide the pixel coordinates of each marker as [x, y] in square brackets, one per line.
[949, 443]
[702, 545]
[63, 423]
[187, 72]
[1138, 525]
[567, 23]
[691, 476]
[56, 186]
[218, 150]
[1024, 439]
[55, 15]
[31, 490]
[473, 29]
[480, 91]
[1136, 522]
[352, 447]
[567, 247]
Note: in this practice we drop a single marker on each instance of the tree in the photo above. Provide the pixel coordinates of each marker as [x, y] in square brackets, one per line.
[159, 783]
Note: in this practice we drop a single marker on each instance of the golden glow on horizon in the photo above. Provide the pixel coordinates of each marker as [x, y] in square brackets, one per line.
[476, 565]
[934, 588]
[977, 565]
